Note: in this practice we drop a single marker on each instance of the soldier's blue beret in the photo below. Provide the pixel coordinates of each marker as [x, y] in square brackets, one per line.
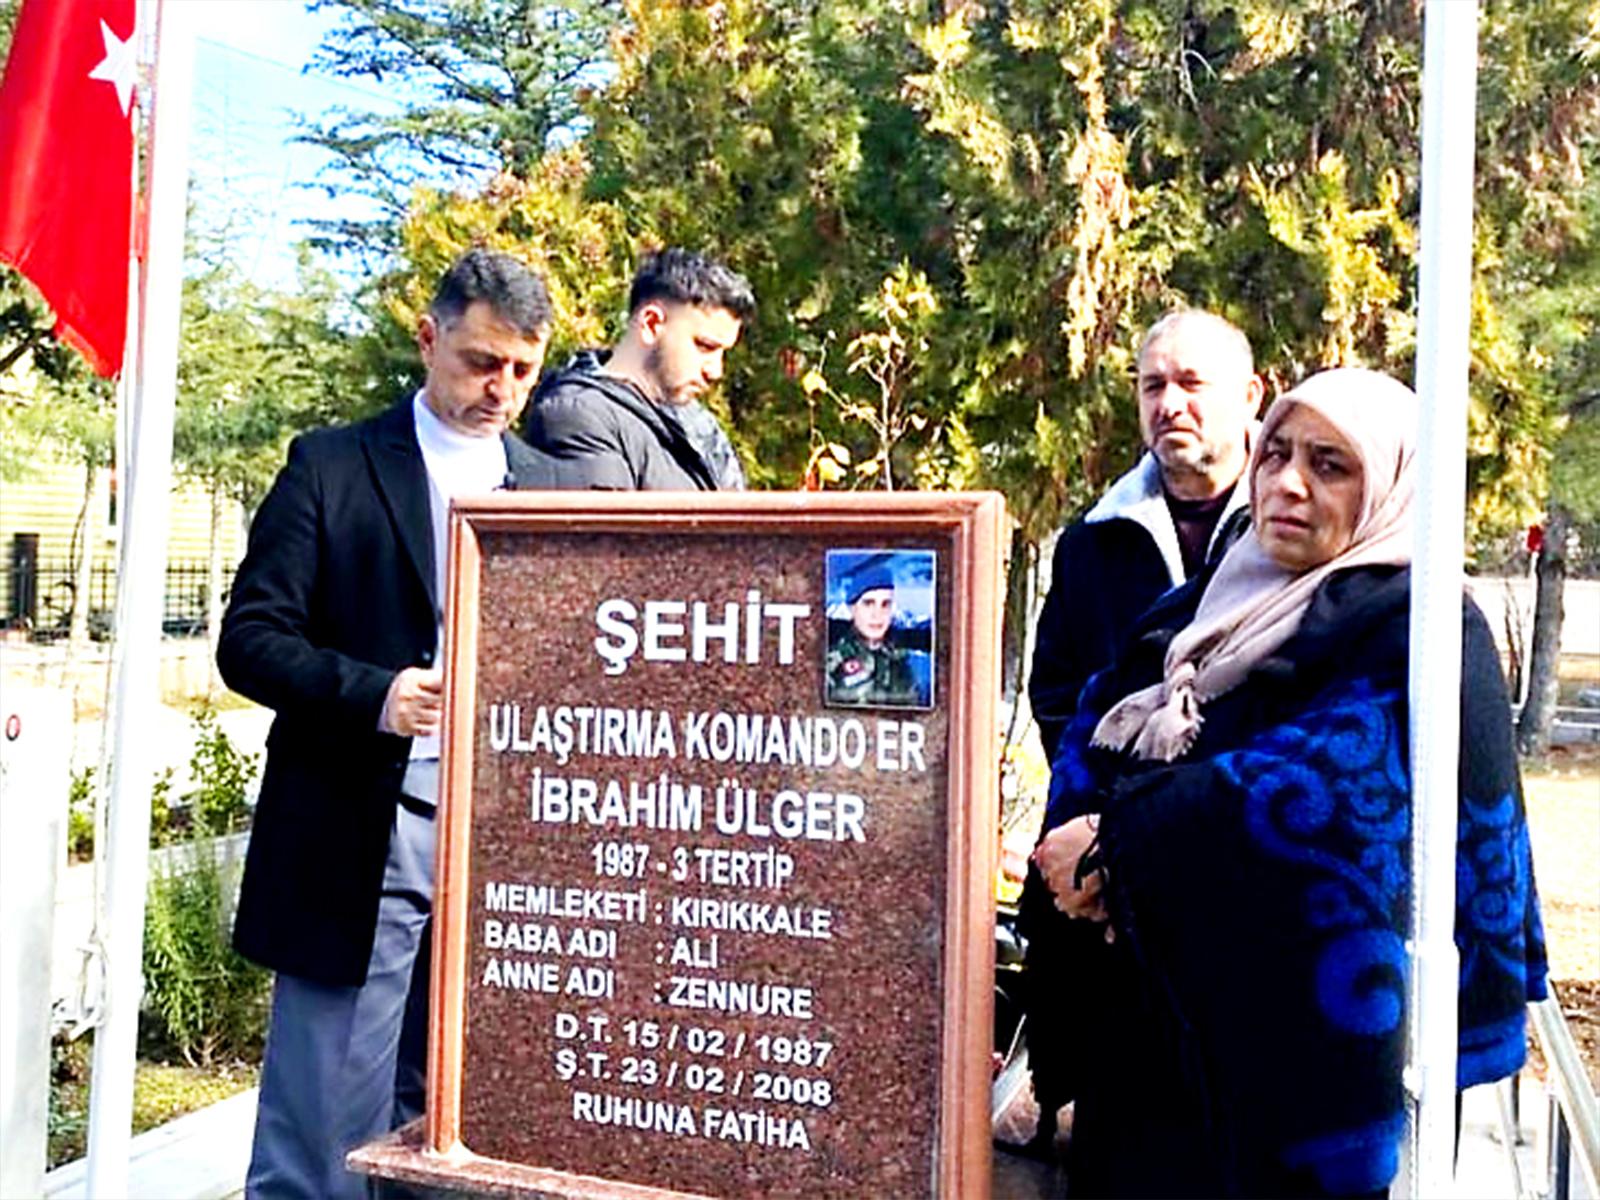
[869, 579]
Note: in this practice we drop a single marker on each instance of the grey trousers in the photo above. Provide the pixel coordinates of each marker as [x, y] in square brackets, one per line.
[341, 1068]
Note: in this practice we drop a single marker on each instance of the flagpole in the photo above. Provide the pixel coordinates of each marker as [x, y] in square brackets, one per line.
[121, 467]
[140, 588]
[1444, 324]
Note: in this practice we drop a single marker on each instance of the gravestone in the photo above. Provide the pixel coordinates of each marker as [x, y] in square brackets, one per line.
[713, 911]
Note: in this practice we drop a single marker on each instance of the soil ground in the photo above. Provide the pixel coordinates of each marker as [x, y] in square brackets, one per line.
[1563, 796]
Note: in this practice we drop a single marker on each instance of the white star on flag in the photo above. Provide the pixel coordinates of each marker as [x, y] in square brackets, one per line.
[119, 67]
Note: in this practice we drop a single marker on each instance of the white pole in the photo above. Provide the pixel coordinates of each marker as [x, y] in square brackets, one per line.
[1444, 317]
[140, 588]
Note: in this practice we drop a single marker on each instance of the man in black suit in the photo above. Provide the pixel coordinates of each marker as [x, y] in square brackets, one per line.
[1179, 508]
[335, 623]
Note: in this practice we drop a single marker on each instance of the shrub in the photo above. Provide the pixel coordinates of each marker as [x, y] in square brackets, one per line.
[80, 815]
[162, 830]
[204, 1001]
[217, 803]
[220, 801]
[68, 1129]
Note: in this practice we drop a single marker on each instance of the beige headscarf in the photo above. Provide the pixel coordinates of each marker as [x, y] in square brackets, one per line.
[1252, 605]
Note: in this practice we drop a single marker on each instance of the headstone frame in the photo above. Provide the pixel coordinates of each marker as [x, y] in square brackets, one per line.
[713, 927]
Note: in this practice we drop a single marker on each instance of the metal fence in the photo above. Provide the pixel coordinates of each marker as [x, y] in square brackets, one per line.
[1570, 1130]
[39, 597]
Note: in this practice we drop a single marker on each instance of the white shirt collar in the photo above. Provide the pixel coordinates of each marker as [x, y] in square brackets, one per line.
[458, 463]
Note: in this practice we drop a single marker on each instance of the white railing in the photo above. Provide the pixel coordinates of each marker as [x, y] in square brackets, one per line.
[1574, 1112]
[1572, 1117]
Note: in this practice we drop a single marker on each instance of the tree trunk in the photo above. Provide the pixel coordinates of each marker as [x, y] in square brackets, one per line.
[1025, 574]
[1544, 655]
[83, 569]
[1016, 635]
[82, 600]
[214, 592]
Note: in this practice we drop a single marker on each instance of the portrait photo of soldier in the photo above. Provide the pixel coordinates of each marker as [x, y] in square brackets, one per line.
[880, 629]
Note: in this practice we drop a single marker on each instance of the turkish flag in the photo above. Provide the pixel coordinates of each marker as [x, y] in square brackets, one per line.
[66, 166]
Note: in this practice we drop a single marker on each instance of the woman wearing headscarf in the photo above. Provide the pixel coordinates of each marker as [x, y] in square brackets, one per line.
[1229, 841]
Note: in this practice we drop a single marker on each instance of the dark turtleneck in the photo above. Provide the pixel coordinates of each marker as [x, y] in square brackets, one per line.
[1195, 520]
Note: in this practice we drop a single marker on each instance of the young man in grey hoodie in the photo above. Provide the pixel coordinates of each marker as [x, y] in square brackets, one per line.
[631, 419]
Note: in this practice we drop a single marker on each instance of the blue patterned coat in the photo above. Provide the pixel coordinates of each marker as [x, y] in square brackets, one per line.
[1244, 1035]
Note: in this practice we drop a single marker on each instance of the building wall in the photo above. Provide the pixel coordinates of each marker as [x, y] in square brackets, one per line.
[47, 501]
[1505, 599]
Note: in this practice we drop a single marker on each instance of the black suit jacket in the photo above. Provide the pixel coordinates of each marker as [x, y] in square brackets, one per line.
[1103, 577]
[335, 595]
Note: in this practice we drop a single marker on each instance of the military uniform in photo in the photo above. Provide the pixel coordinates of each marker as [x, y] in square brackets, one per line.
[863, 674]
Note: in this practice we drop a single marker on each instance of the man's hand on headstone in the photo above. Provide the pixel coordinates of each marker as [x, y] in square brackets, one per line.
[415, 702]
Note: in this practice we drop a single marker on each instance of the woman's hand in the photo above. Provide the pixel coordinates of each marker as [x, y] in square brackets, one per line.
[1057, 857]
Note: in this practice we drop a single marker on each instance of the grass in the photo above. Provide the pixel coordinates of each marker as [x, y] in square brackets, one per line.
[162, 1092]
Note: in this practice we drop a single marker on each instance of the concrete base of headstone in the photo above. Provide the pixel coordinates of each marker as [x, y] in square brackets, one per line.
[402, 1156]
